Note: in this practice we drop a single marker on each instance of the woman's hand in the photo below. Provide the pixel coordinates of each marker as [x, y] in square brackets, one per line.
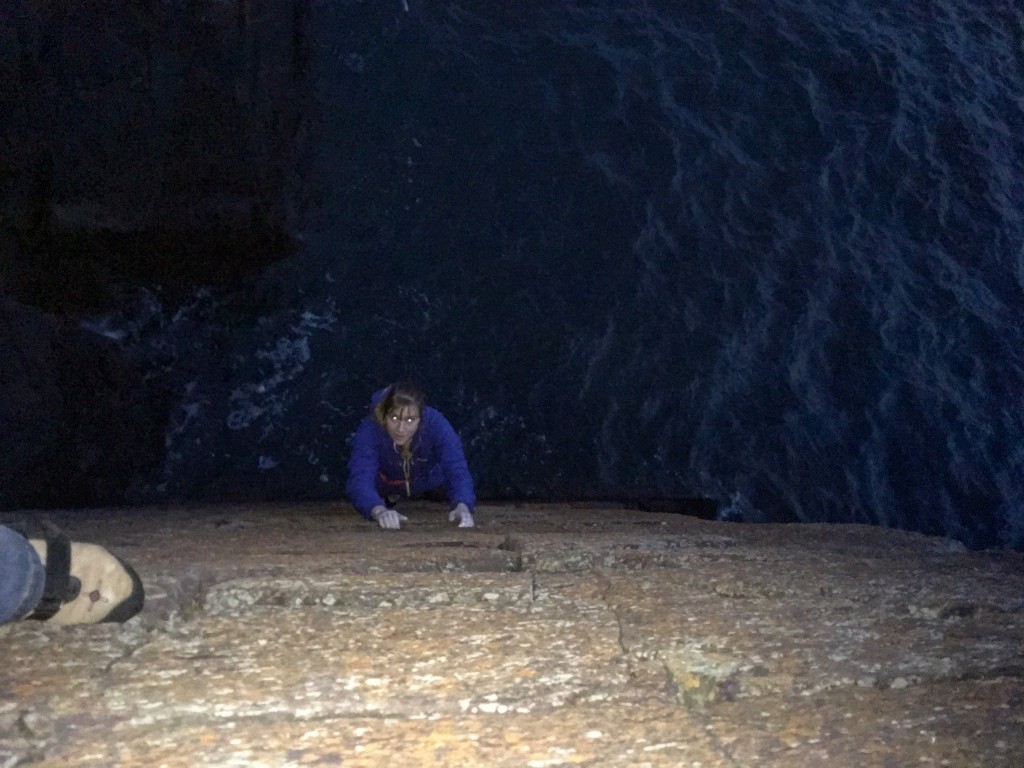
[387, 518]
[462, 514]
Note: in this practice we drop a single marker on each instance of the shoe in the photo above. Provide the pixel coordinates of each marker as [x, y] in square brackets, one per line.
[85, 584]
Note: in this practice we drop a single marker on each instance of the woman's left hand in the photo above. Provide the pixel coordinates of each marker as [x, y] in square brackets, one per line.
[462, 514]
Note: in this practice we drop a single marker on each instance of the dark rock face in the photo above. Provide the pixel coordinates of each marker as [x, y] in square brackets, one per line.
[78, 422]
[151, 143]
[632, 252]
[142, 144]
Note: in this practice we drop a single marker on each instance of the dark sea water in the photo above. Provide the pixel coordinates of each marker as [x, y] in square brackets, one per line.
[768, 253]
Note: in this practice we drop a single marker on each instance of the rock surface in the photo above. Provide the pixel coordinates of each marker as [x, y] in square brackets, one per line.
[547, 636]
[79, 424]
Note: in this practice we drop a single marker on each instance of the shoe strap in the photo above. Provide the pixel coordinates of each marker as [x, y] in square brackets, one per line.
[61, 587]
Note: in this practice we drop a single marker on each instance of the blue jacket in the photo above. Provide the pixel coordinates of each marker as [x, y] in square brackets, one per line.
[437, 461]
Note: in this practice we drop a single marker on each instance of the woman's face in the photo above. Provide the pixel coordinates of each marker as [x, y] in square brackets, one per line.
[402, 424]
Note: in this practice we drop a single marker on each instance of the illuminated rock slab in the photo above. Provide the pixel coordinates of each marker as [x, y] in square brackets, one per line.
[549, 635]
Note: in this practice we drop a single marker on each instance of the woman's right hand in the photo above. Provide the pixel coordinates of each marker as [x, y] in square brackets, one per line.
[387, 518]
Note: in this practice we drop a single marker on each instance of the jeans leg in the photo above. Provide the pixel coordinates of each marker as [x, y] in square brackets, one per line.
[22, 576]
